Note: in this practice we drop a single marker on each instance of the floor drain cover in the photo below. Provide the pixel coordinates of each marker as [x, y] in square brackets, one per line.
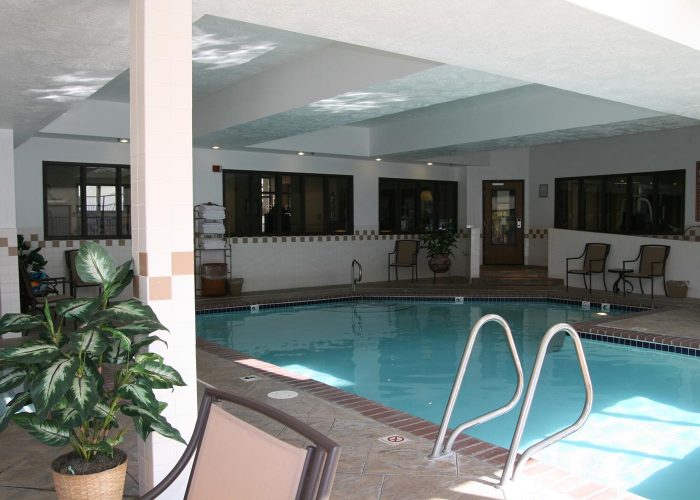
[393, 440]
[282, 394]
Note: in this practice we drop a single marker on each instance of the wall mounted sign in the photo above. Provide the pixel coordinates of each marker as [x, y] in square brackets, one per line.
[544, 190]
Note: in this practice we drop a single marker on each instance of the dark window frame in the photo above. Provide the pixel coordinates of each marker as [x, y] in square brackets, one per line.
[416, 185]
[302, 176]
[83, 200]
[560, 216]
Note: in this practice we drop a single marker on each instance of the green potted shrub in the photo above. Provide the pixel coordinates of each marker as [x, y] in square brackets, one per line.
[72, 385]
[438, 244]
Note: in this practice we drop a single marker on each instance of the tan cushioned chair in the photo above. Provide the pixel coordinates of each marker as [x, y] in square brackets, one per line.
[652, 264]
[594, 258]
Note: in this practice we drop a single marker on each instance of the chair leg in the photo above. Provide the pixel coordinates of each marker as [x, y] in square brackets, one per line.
[652, 288]
[567, 281]
[641, 288]
[665, 290]
[584, 282]
[605, 285]
[396, 273]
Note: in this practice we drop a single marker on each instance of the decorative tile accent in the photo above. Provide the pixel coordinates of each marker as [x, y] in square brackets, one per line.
[12, 251]
[3, 242]
[55, 243]
[34, 237]
[143, 264]
[182, 263]
[160, 288]
[135, 287]
[69, 243]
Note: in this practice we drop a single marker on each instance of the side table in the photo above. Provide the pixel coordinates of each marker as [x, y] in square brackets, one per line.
[621, 277]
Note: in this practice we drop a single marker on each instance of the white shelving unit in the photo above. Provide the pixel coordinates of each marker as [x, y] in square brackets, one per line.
[208, 242]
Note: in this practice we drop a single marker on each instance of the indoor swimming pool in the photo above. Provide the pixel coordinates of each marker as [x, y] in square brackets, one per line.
[642, 435]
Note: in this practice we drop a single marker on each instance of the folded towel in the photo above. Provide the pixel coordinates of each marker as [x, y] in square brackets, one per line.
[211, 227]
[212, 243]
[207, 211]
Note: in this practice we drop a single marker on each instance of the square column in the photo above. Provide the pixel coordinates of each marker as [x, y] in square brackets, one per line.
[9, 276]
[161, 184]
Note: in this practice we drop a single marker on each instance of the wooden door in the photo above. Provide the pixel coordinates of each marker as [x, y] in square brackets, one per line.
[503, 238]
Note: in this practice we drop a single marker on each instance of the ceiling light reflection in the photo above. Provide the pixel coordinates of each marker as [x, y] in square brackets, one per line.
[217, 52]
[357, 101]
[70, 87]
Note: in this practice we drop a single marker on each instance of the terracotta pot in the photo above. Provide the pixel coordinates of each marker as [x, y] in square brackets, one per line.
[439, 263]
[105, 485]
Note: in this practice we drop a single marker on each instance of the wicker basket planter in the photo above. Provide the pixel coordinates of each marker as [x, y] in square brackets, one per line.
[105, 485]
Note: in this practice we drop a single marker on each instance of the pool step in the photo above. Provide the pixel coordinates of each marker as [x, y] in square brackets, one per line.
[515, 276]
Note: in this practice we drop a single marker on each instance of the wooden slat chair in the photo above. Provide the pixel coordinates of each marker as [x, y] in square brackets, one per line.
[594, 258]
[233, 459]
[652, 264]
[73, 276]
[405, 255]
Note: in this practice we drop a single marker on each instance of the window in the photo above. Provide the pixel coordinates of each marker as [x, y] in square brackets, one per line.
[277, 203]
[86, 201]
[645, 203]
[416, 206]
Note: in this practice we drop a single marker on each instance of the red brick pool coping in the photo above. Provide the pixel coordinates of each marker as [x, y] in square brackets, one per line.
[547, 475]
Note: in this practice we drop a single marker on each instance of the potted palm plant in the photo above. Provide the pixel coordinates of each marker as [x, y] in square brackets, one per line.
[71, 386]
[439, 245]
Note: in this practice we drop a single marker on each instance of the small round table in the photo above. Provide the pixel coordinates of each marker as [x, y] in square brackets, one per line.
[621, 277]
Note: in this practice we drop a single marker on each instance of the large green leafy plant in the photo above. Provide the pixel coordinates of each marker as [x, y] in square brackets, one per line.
[28, 257]
[80, 381]
[440, 241]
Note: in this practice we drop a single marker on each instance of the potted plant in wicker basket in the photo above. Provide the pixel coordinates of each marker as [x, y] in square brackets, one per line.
[72, 385]
[439, 245]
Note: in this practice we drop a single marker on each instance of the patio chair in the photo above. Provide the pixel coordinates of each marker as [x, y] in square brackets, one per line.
[73, 276]
[30, 300]
[405, 255]
[233, 459]
[652, 264]
[594, 257]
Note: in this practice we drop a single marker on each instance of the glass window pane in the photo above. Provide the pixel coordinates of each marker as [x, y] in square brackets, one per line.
[503, 217]
[593, 204]
[126, 202]
[643, 204]
[670, 214]
[427, 207]
[269, 215]
[408, 208]
[101, 201]
[313, 202]
[62, 200]
[567, 201]
[388, 194]
[446, 210]
[292, 208]
[338, 204]
[617, 215]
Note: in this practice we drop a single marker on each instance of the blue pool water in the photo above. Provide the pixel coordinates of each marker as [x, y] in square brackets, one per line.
[644, 431]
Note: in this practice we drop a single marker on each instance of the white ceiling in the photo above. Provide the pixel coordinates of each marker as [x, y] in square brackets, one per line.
[409, 80]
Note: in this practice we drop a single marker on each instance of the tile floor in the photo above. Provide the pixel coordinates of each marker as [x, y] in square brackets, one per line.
[368, 468]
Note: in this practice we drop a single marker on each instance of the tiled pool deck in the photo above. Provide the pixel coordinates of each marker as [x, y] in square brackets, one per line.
[369, 468]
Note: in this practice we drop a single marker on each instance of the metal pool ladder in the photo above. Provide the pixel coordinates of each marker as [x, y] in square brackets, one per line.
[511, 468]
[353, 280]
[438, 450]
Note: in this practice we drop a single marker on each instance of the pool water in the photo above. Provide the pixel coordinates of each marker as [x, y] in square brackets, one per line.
[643, 433]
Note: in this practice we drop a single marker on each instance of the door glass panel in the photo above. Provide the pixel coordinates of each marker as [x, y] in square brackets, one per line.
[503, 217]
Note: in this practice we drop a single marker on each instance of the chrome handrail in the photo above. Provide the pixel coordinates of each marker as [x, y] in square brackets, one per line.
[527, 403]
[438, 451]
[353, 281]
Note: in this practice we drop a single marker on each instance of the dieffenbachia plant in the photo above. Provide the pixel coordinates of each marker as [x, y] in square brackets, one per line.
[73, 384]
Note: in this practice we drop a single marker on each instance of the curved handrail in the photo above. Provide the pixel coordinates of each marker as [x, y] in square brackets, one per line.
[354, 281]
[527, 403]
[438, 451]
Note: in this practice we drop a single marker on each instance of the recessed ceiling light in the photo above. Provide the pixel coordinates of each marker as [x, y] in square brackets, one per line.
[123, 140]
[300, 153]
[378, 159]
[216, 147]
[429, 163]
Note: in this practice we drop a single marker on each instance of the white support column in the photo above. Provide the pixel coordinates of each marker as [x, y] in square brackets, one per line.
[9, 277]
[161, 182]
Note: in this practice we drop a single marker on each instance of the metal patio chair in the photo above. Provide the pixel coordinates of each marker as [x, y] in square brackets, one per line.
[405, 255]
[31, 300]
[233, 459]
[652, 264]
[594, 257]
